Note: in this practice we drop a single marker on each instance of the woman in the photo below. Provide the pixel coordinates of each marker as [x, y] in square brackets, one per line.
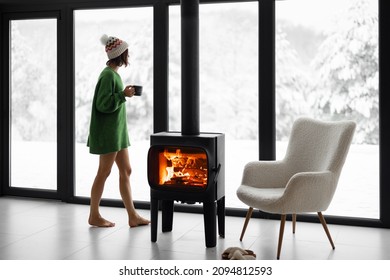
[108, 135]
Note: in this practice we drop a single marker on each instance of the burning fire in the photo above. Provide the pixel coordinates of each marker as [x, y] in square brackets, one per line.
[183, 168]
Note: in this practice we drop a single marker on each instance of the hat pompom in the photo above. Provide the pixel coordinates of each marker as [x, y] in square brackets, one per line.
[104, 39]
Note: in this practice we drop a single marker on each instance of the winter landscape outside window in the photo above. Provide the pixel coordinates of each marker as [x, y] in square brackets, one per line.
[135, 26]
[33, 103]
[327, 68]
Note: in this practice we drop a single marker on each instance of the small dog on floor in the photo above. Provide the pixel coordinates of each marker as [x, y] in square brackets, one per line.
[237, 253]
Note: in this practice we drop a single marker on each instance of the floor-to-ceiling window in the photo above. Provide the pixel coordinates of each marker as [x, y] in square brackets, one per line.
[135, 26]
[228, 35]
[33, 103]
[315, 36]
[327, 67]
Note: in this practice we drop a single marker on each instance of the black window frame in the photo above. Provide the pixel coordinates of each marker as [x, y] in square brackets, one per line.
[6, 188]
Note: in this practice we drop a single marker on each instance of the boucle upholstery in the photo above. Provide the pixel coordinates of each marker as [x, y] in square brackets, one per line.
[306, 179]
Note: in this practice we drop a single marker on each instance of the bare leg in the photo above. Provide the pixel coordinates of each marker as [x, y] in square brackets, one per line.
[105, 164]
[123, 162]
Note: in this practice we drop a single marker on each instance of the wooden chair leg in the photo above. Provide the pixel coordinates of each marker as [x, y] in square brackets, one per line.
[281, 232]
[323, 222]
[247, 218]
[294, 222]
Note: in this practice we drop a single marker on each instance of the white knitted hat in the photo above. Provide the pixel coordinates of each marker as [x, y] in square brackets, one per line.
[114, 46]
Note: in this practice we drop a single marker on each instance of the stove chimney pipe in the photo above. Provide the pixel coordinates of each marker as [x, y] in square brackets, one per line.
[190, 67]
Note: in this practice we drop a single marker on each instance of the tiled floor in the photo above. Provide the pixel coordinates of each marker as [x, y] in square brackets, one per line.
[44, 229]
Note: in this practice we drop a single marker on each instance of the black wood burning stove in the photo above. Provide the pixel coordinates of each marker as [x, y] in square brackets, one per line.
[188, 169]
[188, 166]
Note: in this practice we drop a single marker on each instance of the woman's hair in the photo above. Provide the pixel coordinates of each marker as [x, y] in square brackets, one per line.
[123, 59]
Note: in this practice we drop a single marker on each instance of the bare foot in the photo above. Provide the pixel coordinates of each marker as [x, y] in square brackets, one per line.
[100, 222]
[137, 220]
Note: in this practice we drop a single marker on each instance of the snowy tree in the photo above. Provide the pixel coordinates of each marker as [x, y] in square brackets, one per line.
[347, 62]
[292, 86]
[140, 109]
[229, 72]
[33, 81]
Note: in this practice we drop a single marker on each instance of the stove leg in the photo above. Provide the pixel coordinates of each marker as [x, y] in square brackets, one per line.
[154, 218]
[221, 216]
[167, 215]
[210, 223]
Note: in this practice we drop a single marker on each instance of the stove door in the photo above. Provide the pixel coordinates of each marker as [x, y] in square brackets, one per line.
[178, 167]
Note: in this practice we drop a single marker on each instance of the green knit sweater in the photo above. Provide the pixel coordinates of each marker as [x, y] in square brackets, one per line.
[108, 128]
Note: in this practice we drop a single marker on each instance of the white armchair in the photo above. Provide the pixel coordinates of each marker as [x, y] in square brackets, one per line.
[305, 180]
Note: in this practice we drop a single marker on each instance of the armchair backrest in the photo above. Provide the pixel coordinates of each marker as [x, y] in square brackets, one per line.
[319, 145]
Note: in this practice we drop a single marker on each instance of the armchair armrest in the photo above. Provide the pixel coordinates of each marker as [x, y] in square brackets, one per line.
[265, 174]
[309, 192]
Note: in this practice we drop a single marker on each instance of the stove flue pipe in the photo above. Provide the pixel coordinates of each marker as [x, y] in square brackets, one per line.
[190, 67]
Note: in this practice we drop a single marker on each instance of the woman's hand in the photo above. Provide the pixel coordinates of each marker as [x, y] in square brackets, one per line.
[129, 91]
